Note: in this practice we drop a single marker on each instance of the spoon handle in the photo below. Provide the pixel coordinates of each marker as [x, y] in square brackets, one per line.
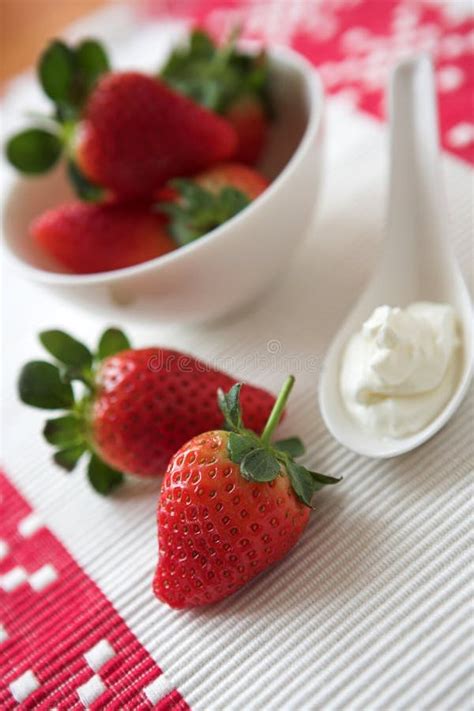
[416, 221]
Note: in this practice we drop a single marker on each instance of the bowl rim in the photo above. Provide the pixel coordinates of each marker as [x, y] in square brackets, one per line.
[277, 54]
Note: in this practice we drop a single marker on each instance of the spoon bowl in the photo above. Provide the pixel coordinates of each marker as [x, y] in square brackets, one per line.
[417, 262]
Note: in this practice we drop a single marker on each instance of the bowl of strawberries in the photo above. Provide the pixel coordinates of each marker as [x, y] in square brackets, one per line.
[180, 195]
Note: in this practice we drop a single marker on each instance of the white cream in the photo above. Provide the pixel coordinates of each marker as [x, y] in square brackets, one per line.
[401, 368]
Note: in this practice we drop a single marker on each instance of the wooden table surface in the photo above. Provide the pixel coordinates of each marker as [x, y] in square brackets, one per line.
[27, 25]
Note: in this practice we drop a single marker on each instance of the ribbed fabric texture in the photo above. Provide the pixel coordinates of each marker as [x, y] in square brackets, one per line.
[372, 610]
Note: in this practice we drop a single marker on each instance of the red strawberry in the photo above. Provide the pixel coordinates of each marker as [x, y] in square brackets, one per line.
[233, 175]
[89, 238]
[138, 407]
[250, 120]
[138, 133]
[229, 81]
[149, 401]
[196, 206]
[231, 505]
[67, 75]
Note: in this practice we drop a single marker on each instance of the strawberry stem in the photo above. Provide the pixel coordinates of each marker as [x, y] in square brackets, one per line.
[224, 52]
[277, 410]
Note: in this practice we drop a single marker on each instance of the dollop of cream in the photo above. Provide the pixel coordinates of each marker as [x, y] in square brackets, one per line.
[400, 369]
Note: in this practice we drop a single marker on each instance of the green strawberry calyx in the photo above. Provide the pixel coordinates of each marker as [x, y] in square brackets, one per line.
[217, 77]
[197, 210]
[49, 386]
[67, 76]
[258, 458]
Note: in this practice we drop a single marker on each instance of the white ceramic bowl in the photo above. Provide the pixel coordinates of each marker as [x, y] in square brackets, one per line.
[223, 270]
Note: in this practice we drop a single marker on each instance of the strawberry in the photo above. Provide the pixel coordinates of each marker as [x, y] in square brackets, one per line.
[138, 133]
[122, 132]
[135, 409]
[250, 121]
[232, 175]
[67, 75]
[198, 205]
[231, 505]
[228, 81]
[88, 238]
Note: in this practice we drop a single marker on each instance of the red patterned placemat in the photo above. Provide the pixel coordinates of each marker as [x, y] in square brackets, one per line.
[62, 643]
[355, 42]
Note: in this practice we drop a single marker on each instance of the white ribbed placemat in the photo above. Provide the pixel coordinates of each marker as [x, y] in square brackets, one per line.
[372, 610]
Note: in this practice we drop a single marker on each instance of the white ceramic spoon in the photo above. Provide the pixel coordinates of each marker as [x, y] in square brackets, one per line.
[417, 262]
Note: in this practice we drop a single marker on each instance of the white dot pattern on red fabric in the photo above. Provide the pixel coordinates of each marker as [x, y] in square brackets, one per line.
[450, 78]
[43, 577]
[3, 634]
[461, 135]
[38, 580]
[158, 689]
[4, 549]
[91, 690]
[24, 686]
[29, 525]
[99, 654]
[13, 579]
